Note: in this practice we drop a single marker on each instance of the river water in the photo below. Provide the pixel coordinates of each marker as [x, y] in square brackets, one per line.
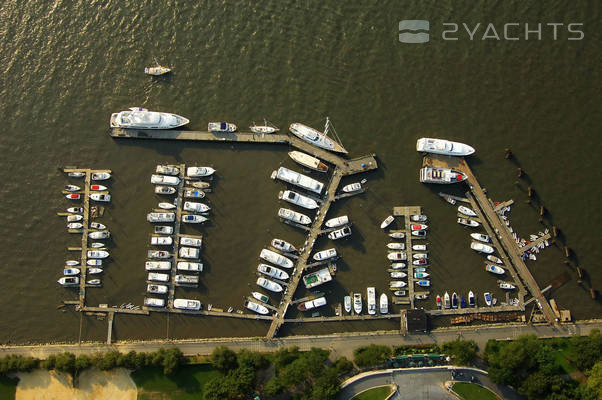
[67, 65]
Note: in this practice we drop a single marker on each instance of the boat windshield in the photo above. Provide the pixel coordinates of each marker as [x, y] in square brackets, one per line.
[222, 126]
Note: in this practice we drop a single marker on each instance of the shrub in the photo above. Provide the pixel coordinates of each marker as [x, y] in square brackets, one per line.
[343, 365]
[224, 359]
[462, 352]
[371, 355]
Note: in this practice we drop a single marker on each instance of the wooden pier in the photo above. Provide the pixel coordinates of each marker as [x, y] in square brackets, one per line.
[535, 243]
[176, 235]
[406, 212]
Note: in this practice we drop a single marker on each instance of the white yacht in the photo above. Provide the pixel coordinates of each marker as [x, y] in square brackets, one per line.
[161, 217]
[154, 302]
[189, 252]
[298, 199]
[357, 303]
[189, 266]
[221, 127]
[397, 256]
[347, 302]
[263, 129]
[99, 235]
[338, 221]
[141, 118]
[325, 254]
[157, 277]
[283, 245]
[157, 265]
[295, 178]
[440, 175]
[272, 272]
[480, 237]
[384, 304]
[191, 193]
[340, 233]
[191, 241]
[198, 172]
[387, 222]
[185, 280]
[193, 219]
[397, 235]
[164, 180]
[269, 285]
[398, 275]
[185, 304]
[94, 271]
[161, 240]
[352, 187]
[396, 246]
[442, 146]
[315, 303]
[294, 216]
[275, 258]
[371, 296]
[167, 206]
[196, 207]
[317, 278]
[315, 137]
[481, 248]
[168, 170]
[397, 284]
[494, 269]
[97, 254]
[71, 271]
[69, 281]
[104, 197]
[308, 161]
[157, 289]
[165, 190]
[163, 229]
[158, 254]
[100, 176]
[258, 308]
[468, 222]
[466, 211]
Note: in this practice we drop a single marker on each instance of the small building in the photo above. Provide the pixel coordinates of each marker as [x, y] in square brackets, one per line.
[415, 321]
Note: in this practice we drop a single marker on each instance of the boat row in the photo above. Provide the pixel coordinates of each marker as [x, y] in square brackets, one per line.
[354, 302]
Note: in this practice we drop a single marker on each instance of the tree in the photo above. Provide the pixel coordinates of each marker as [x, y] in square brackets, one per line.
[82, 362]
[49, 363]
[224, 359]
[594, 379]
[107, 361]
[65, 362]
[343, 365]
[462, 352]
[327, 386]
[587, 350]
[286, 356]
[371, 355]
[252, 359]
[172, 360]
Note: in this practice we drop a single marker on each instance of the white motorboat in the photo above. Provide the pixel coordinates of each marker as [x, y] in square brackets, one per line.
[317, 278]
[480, 237]
[298, 199]
[295, 178]
[269, 285]
[72, 188]
[163, 229]
[190, 193]
[371, 297]
[421, 296]
[272, 272]
[422, 261]
[384, 304]
[158, 277]
[75, 225]
[98, 188]
[494, 259]
[258, 308]
[189, 252]
[73, 196]
[94, 282]
[420, 256]
[308, 161]
[71, 263]
[283, 245]
[471, 299]
[157, 265]
[71, 271]
[418, 227]
[94, 271]
[315, 137]
[419, 247]
[158, 289]
[157, 70]
[161, 240]
[340, 233]
[397, 235]
[167, 206]
[141, 118]
[442, 146]
[466, 211]
[193, 219]
[75, 210]
[398, 274]
[353, 187]
[396, 246]
[263, 129]
[261, 297]
[387, 221]
[161, 217]
[347, 303]
[338, 221]
[69, 281]
[198, 172]
[221, 127]
[275, 258]
[494, 269]
[186, 304]
[97, 225]
[165, 180]
[418, 218]
[97, 253]
[397, 256]
[423, 283]
[468, 222]
[189, 266]
[481, 247]
[154, 302]
[397, 284]
[357, 303]
[421, 275]
[199, 184]
[441, 175]
[400, 293]
[420, 269]
[97, 245]
[487, 297]
[76, 174]
[419, 234]
[196, 207]
[191, 241]
[158, 254]
[186, 280]
[94, 262]
[398, 265]
[325, 254]
[165, 189]
[100, 176]
[288, 214]
[446, 301]
[168, 170]
[311, 304]
[103, 197]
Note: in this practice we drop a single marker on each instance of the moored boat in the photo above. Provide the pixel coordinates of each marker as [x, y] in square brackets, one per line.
[98, 187]
[338, 221]
[418, 218]
[221, 127]
[357, 303]
[371, 298]
[158, 254]
[298, 199]
[75, 210]
[165, 180]
[72, 188]
[494, 269]
[442, 146]
[507, 286]
[163, 229]
[420, 256]
[199, 184]
[263, 129]
[76, 174]
[454, 300]
[487, 297]
[347, 303]
[315, 137]
[167, 206]
[397, 284]
[398, 274]
[494, 259]
[94, 282]
[421, 296]
[198, 172]
[325, 254]
[186, 280]
[261, 297]
[384, 304]
[419, 247]
[256, 307]
[400, 293]
[165, 189]
[353, 187]
[398, 265]
[190, 193]
[480, 237]
[419, 234]
[272, 272]
[471, 299]
[161, 217]
[446, 301]
[94, 271]
[481, 247]
[97, 253]
[462, 302]
[308, 305]
[440, 175]
[189, 266]
[100, 176]
[397, 235]
[71, 271]
[295, 178]
[161, 240]
[74, 218]
[418, 227]
[466, 211]
[196, 207]
[387, 221]
[193, 219]
[269, 285]
[288, 214]
[154, 302]
[396, 246]
[94, 262]
[283, 245]
[275, 258]
[71, 263]
[317, 278]
[340, 233]
[421, 275]
[438, 301]
[141, 118]
[186, 304]
[189, 252]
[97, 225]
[191, 241]
[423, 283]
[167, 170]
[157, 289]
[69, 281]
[157, 265]
[422, 261]
[103, 197]
[308, 161]
[397, 255]
[468, 222]
[157, 277]
[73, 196]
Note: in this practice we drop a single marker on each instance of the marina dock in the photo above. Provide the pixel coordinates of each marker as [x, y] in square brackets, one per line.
[176, 235]
[406, 212]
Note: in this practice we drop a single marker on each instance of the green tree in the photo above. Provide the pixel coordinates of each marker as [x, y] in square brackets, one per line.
[343, 365]
[172, 360]
[587, 350]
[252, 359]
[65, 362]
[594, 379]
[82, 362]
[107, 361]
[371, 355]
[224, 359]
[462, 352]
[286, 356]
[49, 363]
[326, 386]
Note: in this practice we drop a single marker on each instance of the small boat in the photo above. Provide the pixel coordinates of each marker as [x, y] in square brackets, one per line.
[141, 118]
[442, 146]
[441, 175]
[295, 178]
[98, 187]
[450, 200]
[189, 252]
[221, 127]
[315, 137]
[100, 176]
[165, 180]
[481, 237]
[71, 263]
[462, 302]
[189, 266]
[258, 308]
[73, 196]
[164, 189]
[71, 271]
[308, 305]
[97, 254]
[97, 225]
[161, 217]
[487, 297]
[421, 296]
[75, 210]
[308, 161]
[466, 211]
[400, 293]
[471, 299]
[69, 281]
[160, 254]
[420, 256]
[185, 304]
[418, 218]
[347, 303]
[193, 219]
[454, 300]
[193, 193]
[199, 184]
[357, 303]
[503, 285]
[74, 218]
[163, 230]
[263, 129]
[325, 254]
[421, 275]
[154, 302]
[72, 188]
[196, 207]
[157, 70]
[481, 248]
[398, 265]
[167, 206]
[468, 222]
[158, 289]
[338, 221]
[340, 233]
[269, 285]
[397, 235]
[371, 299]
[419, 247]
[104, 197]
[94, 262]
[418, 227]
[167, 170]
[398, 274]
[423, 283]
[191, 241]
[419, 233]
[99, 235]
[161, 240]
[397, 255]
[261, 297]
[157, 265]
[275, 258]
[199, 172]
[353, 187]
[288, 214]
[422, 261]
[438, 300]
[94, 271]
[446, 301]
[387, 222]
[77, 174]
[283, 245]
[298, 199]
[186, 279]
[75, 225]
[384, 304]
[494, 259]
[396, 246]
[494, 269]
[397, 284]
[157, 277]
[272, 272]
[94, 282]
[420, 269]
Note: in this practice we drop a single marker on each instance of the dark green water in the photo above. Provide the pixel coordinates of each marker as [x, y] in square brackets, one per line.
[67, 65]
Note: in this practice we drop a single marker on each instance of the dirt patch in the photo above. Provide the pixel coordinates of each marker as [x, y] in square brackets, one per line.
[93, 385]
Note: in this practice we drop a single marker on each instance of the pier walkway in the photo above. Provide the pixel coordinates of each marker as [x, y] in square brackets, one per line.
[176, 235]
[406, 212]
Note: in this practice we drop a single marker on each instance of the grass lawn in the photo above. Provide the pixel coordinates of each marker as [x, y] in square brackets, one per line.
[8, 387]
[186, 384]
[470, 391]
[379, 393]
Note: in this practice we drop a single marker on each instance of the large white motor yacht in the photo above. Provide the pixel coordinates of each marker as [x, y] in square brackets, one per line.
[141, 118]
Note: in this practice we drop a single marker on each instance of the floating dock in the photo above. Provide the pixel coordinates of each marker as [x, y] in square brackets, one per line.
[406, 212]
